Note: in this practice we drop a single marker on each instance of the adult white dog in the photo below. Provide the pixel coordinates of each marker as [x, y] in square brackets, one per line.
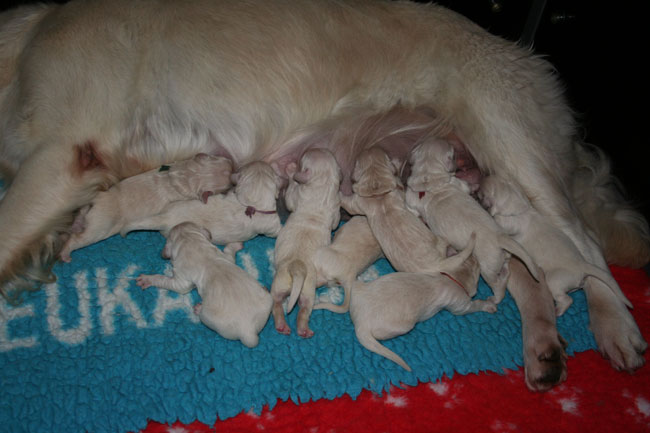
[95, 91]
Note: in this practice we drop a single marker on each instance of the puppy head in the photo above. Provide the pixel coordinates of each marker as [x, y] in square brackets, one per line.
[374, 174]
[202, 176]
[318, 165]
[500, 197]
[257, 184]
[429, 160]
[183, 232]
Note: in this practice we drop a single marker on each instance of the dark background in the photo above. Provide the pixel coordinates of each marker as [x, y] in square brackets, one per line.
[597, 48]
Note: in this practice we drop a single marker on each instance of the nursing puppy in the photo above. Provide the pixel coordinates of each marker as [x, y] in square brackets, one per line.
[83, 106]
[313, 199]
[353, 249]
[392, 304]
[445, 204]
[147, 194]
[406, 242]
[245, 211]
[564, 267]
[233, 303]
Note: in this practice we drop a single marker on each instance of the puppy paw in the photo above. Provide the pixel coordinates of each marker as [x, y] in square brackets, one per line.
[143, 281]
[306, 333]
[488, 306]
[197, 308]
[65, 257]
[545, 365]
[283, 329]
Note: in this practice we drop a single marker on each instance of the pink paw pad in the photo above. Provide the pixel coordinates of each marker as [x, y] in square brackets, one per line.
[197, 308]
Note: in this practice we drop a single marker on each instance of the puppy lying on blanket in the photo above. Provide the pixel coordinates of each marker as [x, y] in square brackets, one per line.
[564, 267]
[313, 199]
[233, 303]
[444, 202]
[83, 106]
[241, 214]
[391, 305]
[147, 194]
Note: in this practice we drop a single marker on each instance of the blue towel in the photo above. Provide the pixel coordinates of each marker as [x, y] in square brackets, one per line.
[93, 352]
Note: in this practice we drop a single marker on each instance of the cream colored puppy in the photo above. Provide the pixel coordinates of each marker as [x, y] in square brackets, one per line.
[313, 199]
[353, 249]
[391, 305]
[406, 241]
[147, 194]
[445, 203]
[233, 303]
[564, 266]
[247, 210]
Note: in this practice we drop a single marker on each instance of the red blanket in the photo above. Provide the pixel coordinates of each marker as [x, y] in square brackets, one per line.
[595, 398]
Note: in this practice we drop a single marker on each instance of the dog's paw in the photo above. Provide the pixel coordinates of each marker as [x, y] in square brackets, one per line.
[143, 281]
[305, 333]
[618, 337]
[197, 308]
[283, 329]
[545, 365]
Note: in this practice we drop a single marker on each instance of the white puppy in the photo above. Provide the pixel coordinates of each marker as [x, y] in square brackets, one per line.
[233, 303]
[245, 211]
[313, 199]
[406, 241]
[391, 305]
[564, 266]
[353, 249]
[449, 210]
[147, 194]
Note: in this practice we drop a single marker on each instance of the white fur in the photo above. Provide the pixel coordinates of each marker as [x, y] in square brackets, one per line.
[233, 303]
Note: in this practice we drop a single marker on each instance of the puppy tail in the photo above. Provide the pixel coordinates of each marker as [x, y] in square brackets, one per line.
[620, 229]
[452, 263]
[369, 342]
[298, 271]
[515, 248]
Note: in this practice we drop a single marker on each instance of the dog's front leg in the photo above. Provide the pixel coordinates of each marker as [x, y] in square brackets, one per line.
[49, 186]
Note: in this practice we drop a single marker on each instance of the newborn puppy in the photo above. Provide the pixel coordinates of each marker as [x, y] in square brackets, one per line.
[353, 249]
[313, 199]
[564, 266]
[391, 305]
[245, 211]
[147, 194]
[406, 241]
[233, 303]
[445, 203]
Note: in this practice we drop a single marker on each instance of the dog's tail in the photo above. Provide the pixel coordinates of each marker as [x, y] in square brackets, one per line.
[298, 271]
[619, 228]
[368, 341]
[515, 248]
[452, 263]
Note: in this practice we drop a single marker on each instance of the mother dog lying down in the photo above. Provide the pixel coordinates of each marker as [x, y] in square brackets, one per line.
[94, 91]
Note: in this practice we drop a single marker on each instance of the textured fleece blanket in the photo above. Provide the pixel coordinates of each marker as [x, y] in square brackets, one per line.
[93, 352]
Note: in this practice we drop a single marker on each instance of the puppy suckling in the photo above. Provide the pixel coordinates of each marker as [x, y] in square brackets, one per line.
[406, 241]
[353, 249]
[233, 303]
[147, 194]
[445, 203]
[313, 199]
[392, 304]
[245, 211]
[563, 265]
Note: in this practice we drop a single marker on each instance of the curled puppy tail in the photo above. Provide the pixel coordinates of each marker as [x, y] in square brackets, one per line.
[619, 228]
[606, 278]
[452, 263]
[515, 248]
[368, 341]
[298, 271]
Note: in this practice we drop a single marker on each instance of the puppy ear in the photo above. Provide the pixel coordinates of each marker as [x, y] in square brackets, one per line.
[205, 195]
[167, 251]
[302, 176]
[206, 233]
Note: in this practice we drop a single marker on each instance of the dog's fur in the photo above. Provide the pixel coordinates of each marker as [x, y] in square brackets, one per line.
[83, 105]
[313, 199]
[146, 194]
[405, 240]
[563, 265]
[392, 304]
[225, 215]
[233, 303]
[353, 249]
[444, 202]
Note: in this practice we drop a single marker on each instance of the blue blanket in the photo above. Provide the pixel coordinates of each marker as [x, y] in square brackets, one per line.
[93, 352]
